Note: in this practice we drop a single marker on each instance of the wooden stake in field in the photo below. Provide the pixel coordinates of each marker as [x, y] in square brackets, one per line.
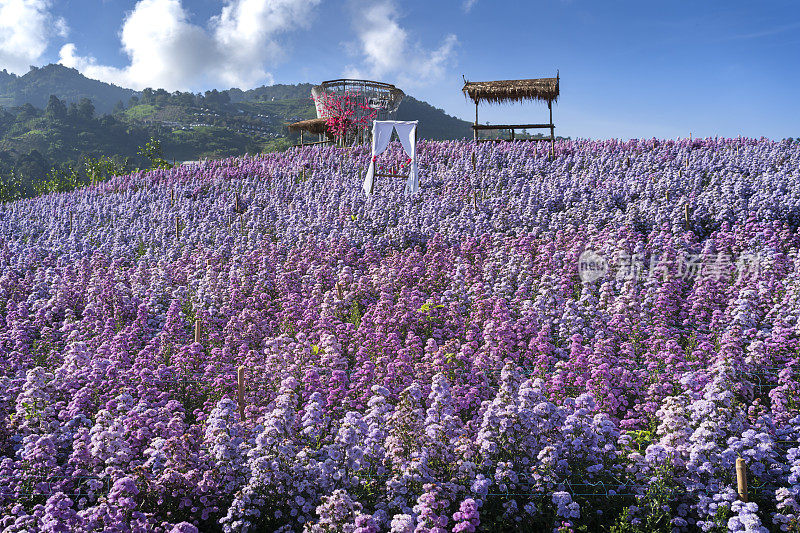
[197, 330]
[237, 202]
[474, 162]
[686, 213]
[172, 197]
[240, 382]
[741, 478]
[70, 221]
[339, 291]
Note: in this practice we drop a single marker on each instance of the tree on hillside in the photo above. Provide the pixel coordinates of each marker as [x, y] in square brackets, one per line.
[10, 187]
[152, 151]
[147, 96]
[102, 168]
[182, 99]
[27, 112]
[81, 112]
[215, 98]
[161, 97]
[61, 179]
[30, 168]
[56, 109]
[86, 109]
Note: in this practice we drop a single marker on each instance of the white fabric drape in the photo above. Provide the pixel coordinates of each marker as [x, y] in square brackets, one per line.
[406, 131]
[381, 135]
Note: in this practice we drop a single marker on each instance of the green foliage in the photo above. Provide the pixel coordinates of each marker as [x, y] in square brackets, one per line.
[140, 112]
[10, 187]
[58, 180]
[355, 314]
[426, 307]
[655, 511]
[152, 151]
[643, 438]
[141, 249]
[102, 168]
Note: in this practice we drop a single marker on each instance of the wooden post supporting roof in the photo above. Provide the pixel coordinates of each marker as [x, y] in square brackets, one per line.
[552, 131]
[475, 130]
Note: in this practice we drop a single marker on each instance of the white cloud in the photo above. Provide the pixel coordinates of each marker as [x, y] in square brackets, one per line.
[387, 51]
[245, 33]
[25, 30]
[468, 5]
[167, 51]
[61, 27]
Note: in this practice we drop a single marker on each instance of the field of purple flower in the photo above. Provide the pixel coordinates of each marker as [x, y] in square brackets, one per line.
[442, 363]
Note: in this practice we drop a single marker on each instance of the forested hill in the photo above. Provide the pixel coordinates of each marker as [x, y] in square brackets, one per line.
[53, 117]
[67, 84]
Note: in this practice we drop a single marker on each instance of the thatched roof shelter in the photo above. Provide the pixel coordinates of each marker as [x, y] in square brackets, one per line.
[543, 89]
[501, 91]
[316, 126]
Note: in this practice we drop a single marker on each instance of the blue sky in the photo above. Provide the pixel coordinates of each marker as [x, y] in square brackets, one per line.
[628, 69]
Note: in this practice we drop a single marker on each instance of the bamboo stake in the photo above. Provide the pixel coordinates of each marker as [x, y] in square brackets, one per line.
[339, 291]
[475, 197]
[686, 213]
[474, 162]
[237, 202]
[741, 478]
[197, 330]
[666, 196]
[240, 381]
[172, 197]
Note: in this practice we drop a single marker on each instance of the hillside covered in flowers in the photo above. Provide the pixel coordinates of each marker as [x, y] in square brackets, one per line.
[579, 343]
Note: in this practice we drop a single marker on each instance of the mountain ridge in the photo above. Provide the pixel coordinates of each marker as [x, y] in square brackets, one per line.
[69, 85]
